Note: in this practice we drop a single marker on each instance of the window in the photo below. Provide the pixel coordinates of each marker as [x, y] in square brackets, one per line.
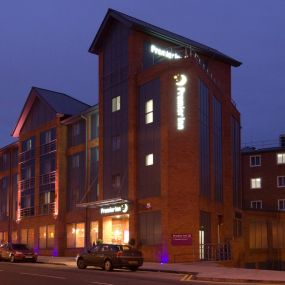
[75, 161]
[150, 228]
[281, 205]
[27, 237]
[149, 159]
[46, 236]
[3, 237]
[255, 160]
[278, 234]
[116, 104]
[116, 143]
[75, 235]
[255, 183]
[258, 235]
[237, 226]
[116, 180]
[280, 158]
[256, 204]
[94, 125]
[149, 112]
[76, 129]
[94, 232]
[14, 236]
[280, 181]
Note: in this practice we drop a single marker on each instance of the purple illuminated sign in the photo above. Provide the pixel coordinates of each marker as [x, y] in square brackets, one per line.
[181, 239]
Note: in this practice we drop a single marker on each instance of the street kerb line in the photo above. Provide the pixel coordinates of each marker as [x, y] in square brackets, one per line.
[94, 282]
[187, 277]
[43, 275]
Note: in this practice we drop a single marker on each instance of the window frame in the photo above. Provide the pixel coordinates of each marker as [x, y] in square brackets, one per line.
[256, 203]
[251, 183]
[282, 158]
[278, 204]
[278, 185]
[116, 104]
[252, 157]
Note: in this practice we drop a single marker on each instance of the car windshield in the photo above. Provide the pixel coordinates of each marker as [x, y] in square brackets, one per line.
[19, 246]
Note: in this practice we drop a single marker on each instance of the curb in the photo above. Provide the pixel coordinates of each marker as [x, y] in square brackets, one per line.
[194, 275]
[231, 280]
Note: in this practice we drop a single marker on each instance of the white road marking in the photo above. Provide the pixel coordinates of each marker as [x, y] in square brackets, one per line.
[42, 275]
[187, 277]
[101, 283]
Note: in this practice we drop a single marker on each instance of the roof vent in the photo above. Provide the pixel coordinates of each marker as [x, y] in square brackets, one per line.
[282, 140]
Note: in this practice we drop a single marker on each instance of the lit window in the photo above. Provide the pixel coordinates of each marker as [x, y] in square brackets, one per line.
[280, 158]
[255, 160]
[280, 181]
[94, 226]
[255, 183]
[75, 235]
[116, 104]
[256, 204]
[149, 112]
[281, 204]
[149, 159]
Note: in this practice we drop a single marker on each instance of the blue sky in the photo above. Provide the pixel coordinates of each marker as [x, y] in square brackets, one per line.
[45, 44]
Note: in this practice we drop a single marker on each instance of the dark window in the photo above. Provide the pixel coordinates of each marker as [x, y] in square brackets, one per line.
[204, 141]
[4, 184]
[150, 228]
[94, 125]
[116, 143]
[93, 184]
[116, 180]
[76, 133]
[76, 179]
[255, 160]
[218, 150]
[235, 140]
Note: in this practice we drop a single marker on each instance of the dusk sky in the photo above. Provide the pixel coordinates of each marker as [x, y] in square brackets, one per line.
[45, 44]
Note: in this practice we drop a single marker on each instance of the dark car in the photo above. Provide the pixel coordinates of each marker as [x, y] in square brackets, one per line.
[17, 252]
[109, 256]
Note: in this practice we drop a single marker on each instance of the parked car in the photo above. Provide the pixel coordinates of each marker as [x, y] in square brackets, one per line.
[17, 252]
[109, 256]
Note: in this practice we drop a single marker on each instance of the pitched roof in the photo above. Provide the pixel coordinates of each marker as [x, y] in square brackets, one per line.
[155, 31]
[60, 103]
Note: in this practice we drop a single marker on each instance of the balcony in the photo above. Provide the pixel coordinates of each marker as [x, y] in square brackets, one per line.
[27, 212]
[48, 148]
[27, 184]
[47, 209]
[48, 178]
[26, 155]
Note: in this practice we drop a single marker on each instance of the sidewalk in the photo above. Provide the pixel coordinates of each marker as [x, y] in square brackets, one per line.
[206, 271]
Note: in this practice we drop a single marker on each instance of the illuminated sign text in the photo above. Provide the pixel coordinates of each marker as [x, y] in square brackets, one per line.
[123, 208]
[180, 82]
[163, 52]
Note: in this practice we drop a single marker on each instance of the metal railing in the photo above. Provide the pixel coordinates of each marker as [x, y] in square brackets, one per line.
[27, 212]
[48, 178]
[26, 184]
[26, 155]
[47, 209]
[215, 252]
[48, 147]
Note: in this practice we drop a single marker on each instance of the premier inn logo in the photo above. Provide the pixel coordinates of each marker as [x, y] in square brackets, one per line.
[123, 208]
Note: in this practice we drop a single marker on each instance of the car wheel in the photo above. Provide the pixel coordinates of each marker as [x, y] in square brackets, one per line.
[12, 258]
[108, 265]
[81, 263]
[133, 268]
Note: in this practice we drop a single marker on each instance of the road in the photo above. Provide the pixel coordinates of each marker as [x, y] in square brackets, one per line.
[47, 274]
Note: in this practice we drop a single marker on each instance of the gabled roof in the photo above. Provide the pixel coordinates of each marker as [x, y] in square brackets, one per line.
[155, 31]
[60, 103]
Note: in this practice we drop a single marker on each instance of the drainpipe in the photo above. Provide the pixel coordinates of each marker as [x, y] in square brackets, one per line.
[86, 174]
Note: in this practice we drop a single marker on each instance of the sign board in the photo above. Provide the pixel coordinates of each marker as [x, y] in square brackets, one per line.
[115, 209]
[181, 239]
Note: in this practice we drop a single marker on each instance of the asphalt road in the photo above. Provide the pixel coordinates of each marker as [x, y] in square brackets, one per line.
[48, 274]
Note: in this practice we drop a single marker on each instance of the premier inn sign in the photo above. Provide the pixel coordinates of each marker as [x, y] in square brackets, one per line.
[116, 209]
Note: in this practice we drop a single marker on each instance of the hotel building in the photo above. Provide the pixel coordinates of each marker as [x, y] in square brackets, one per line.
[157, 160]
